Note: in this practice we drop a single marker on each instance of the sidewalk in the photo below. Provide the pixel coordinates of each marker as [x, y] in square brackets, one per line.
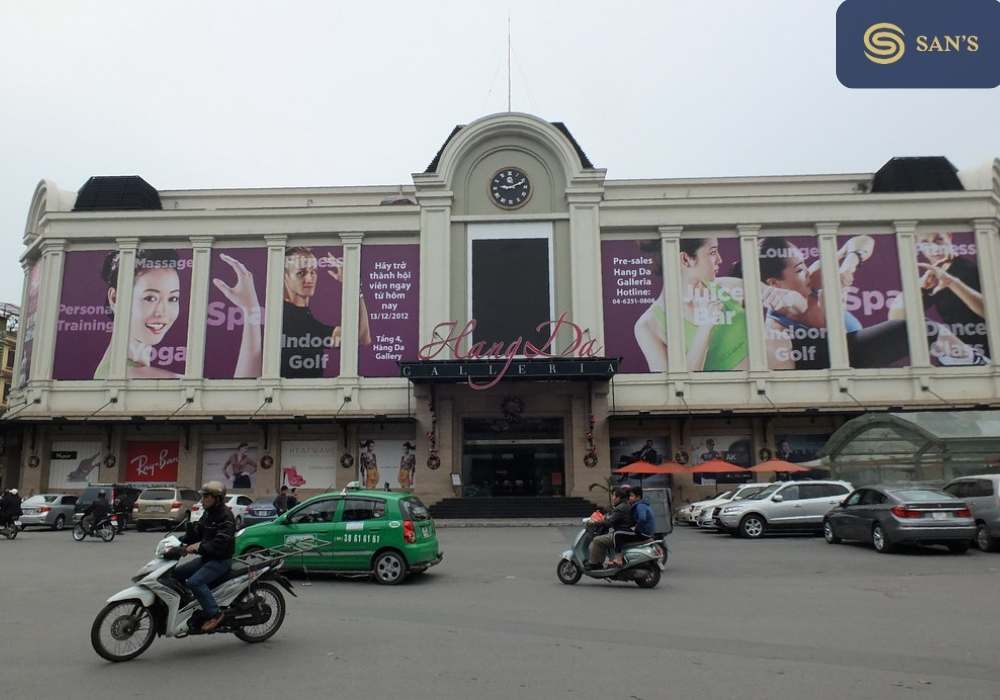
[513, 522]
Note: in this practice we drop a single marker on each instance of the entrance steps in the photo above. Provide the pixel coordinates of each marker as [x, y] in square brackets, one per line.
[512, 507]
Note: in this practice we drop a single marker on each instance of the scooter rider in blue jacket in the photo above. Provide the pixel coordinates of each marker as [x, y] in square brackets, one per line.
[644, 528]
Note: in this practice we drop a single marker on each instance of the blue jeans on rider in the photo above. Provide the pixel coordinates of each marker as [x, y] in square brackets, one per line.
[199, 575]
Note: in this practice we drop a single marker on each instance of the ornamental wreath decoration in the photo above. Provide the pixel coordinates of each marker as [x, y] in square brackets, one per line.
[347, 460]
[590, 460]
[110, 461]
[33, 461]
[512, 408]
[681, 457]
[433, 461]
[266, 462]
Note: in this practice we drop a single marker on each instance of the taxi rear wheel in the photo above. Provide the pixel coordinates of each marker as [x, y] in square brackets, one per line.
[389, 568]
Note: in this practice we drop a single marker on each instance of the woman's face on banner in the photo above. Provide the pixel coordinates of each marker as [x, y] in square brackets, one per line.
[704, 266]
[936, 247]
[300, 275]
[795, 276]
[155, 304]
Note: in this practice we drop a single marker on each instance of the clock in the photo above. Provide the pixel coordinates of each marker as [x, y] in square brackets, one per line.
[510, 188]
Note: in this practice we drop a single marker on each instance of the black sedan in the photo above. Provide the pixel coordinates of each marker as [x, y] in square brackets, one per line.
[892, 515]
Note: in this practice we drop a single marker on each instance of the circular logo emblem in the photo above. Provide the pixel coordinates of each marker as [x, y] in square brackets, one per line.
[884, 43]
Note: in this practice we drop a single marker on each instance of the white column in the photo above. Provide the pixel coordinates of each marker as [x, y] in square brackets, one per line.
[127, 249]
[47, 314]
[673, 294]
[986, 239]
[17, 379]
[350, 304]
[585, 256]
[435, 262]
[274, 305]
[833, 304]
[201, 259]
[916, 326]
[750, 261]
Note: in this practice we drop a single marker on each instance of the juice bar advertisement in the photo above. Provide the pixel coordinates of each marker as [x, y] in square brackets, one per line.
[390, 295]
[157, 332]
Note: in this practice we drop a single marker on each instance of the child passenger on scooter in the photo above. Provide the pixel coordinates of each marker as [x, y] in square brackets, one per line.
[644, 528]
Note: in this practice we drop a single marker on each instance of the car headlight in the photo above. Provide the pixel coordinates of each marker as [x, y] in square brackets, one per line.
[731, 509]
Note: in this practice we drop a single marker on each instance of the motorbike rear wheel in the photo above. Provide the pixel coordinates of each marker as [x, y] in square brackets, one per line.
[122, 630]
[273, 602]
[107, 532]
[79, 533]
[568, 572]
[649, 578]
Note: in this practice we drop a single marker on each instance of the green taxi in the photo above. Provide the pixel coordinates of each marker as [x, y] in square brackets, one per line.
[372, 533]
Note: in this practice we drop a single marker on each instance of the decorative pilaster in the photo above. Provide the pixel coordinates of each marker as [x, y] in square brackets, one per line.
[673, 295]
[986, 245]
[47, 313]
[201, 260]
[435, 260]
[916, 327]
[350, 303]
[127, 251]
[585, 255]
[833, 305]
[274, 305]
[750, 259]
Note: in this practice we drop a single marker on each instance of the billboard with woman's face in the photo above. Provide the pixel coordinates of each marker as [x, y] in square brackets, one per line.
[311, 331]
[635, 313]
[954, 310]
[234, 333]
[157, 332]
[871, 286]
[715, 320]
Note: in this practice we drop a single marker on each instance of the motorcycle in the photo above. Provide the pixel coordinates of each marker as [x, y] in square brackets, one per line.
[105, 529]
[253, 607]
[643, 561]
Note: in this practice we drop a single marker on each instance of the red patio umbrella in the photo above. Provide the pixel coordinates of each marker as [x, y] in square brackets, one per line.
[716, 466]
[779, 465]
[648, 469]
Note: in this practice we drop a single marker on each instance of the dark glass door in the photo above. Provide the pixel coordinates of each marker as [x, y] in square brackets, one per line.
[523, 458]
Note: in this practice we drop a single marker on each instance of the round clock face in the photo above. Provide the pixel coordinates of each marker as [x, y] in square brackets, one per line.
[510, 188]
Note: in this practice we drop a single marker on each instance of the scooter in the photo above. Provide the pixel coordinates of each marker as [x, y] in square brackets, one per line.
[643, 561]
[158, 604]
[105, 529]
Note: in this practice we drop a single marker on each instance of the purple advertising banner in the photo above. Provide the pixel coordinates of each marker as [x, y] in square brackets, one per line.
[29, 320]
[310, 330]
[83, 331]
[234, 330]
[953, 298]
[715, 320]
[871, 286]
[794, 318]
[390, 303]
[635, 314]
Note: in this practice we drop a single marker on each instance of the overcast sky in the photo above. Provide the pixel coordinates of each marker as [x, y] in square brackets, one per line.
[248, 94]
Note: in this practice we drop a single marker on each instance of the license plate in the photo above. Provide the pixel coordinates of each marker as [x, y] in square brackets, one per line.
[940, 516]
[156, 509]
[30, 511]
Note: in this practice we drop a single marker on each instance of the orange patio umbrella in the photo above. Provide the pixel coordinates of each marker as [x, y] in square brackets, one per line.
[779, 465]
[716, 466]
[647, 469]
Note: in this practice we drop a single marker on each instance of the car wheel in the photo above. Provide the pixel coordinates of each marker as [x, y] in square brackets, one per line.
[389, 568]
[752, 526]
[60, 522]
[959, 547]
[881, 541]
[984, 541]
[828, 534]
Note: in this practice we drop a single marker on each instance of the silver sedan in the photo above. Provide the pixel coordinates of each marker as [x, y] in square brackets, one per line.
[892, 515]
[54, 510]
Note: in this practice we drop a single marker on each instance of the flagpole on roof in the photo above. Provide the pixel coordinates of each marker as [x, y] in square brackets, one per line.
[508, 60]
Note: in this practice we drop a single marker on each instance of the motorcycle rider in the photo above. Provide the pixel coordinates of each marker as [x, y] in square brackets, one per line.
[96, 512]
[214, 538]
[620, 518]
[644, 528]
[10, 507]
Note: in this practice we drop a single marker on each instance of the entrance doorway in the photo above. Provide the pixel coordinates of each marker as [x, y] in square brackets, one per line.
[522, 458]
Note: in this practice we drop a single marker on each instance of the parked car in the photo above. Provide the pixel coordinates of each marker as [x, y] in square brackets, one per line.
[788, 505]
[891, 515]
[982, 494]
[686, 514]
[113, 492]
[236, 503]
[372, 533]
[163, 506]
[260, 511]
[54, 510]
[704, 517]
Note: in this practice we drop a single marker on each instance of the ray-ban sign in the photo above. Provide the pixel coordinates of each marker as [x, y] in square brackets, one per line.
[918, 43]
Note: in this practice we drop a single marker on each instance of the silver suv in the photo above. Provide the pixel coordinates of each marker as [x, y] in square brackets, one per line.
[982, 494]
[786, 505]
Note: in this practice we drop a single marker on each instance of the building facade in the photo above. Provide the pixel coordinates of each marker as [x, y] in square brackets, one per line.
[510, 322]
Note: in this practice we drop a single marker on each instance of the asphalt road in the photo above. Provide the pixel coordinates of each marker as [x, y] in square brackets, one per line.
[780, 618]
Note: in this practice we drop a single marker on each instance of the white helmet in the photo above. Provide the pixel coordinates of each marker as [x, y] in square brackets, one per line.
[14, 491]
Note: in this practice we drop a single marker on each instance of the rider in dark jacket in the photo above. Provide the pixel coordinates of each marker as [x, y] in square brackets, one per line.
[10, 506]
[96, 511]
[214, 539]
[620, 518]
